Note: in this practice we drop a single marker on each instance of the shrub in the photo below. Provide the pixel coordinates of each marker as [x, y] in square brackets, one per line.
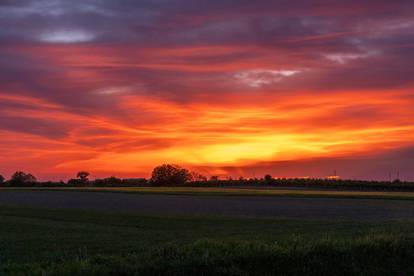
[22, 179]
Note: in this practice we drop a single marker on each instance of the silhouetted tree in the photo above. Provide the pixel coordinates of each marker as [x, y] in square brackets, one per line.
[110, 181]
[20, 179]
[195, 176]
[1, 179]
[113, 180]
[75, 182]
[170, 175]
[214, 178]
[268, 178]
[83, 176]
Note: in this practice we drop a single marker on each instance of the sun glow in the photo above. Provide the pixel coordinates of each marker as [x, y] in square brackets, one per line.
[202, 134]
[222, 88]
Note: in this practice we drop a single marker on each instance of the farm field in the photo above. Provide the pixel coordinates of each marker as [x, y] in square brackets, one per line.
[303, 207]
[39, 241]
[248, 191]
[204, 231]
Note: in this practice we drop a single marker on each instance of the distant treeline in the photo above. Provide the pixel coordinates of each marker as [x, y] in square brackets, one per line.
[172, 175]
[319, 183]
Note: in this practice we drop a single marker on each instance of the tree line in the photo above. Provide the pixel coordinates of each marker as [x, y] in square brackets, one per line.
[174, 175]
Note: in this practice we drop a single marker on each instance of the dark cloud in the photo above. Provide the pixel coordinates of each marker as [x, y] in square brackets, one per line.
[179, 22]
[46, 128]
[86, 57]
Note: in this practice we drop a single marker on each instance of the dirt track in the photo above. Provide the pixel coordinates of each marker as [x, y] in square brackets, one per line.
[283, 207]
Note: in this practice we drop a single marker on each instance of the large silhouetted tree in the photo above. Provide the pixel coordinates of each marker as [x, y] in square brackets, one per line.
[21, 178]
[1, 179]
[170, 175]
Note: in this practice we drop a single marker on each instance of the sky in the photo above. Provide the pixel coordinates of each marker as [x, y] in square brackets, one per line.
[224, 87]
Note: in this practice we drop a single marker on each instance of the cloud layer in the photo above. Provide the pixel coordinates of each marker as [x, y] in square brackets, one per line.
[116, 87]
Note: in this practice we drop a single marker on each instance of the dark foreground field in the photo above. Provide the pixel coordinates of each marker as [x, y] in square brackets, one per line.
[253, 206]
[109, 239]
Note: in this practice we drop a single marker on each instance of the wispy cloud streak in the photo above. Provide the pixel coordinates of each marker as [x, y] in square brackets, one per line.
[99, 85]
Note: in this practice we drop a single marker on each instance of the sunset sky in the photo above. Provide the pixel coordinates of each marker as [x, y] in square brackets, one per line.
[239, 88]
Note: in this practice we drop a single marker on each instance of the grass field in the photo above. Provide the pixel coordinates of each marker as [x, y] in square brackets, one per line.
[207, 191]
[63, 242]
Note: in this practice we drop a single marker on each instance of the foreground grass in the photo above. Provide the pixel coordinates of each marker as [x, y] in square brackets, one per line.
[369, 256]
[209, 191]
[62, 242]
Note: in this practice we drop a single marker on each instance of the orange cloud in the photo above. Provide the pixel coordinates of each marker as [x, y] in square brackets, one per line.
[207, 134]
[212, 86]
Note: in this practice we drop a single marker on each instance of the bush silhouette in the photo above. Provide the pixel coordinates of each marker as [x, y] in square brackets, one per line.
[268, 178]
[195, 176]
[21, 179]
[109, 181]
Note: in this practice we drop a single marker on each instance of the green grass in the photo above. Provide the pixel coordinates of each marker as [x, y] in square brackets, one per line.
[369, 256]
[69, 242]
[209, 191]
